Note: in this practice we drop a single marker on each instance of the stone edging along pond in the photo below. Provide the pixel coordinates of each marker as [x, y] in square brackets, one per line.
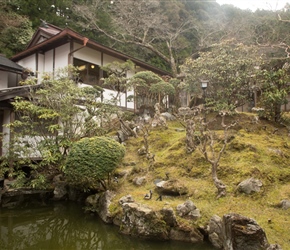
[233, 231]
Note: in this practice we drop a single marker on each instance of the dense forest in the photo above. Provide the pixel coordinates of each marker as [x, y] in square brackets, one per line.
[163, 33]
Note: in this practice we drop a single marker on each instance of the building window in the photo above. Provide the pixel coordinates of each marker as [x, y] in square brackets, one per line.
[89, 73]
[92, 74]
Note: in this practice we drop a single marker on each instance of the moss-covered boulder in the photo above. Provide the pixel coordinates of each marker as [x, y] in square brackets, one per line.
[141, 221]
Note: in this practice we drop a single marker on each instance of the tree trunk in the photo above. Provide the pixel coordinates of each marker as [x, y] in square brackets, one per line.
[277, 113]
[221, 187]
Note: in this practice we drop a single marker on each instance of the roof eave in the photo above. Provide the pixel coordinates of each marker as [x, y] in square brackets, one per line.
[71, 34]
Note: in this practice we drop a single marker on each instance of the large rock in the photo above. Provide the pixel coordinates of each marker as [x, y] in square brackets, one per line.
[242, 233]
[215, 232]
[188, 210]
[126, 199]
[60, 191]
[236, 232]
[75, 194]
[250, 185]
[186, 234]
[171, 187]
[12, 198]
[100, 203]
[138, 181]
[92, 201]
[122, 137]
[168, 116]
[168, 216]
[104, 204]
[143, 222]
[285, 204]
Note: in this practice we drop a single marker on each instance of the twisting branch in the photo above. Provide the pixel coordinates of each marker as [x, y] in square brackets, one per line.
[198, 135]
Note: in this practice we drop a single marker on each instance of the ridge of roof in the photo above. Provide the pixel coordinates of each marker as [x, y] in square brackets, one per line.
[48, 29]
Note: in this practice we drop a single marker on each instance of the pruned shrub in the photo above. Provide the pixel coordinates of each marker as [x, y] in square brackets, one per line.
[92, 160]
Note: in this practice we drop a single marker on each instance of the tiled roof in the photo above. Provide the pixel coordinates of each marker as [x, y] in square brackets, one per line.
[62, 35]
[50, 30]
[45, 30]
[9, 65]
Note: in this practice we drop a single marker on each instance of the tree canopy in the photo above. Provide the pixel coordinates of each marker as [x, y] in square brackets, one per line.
[53, 115]
[229, 67]
[15, 30]
[150, 88]
[273, 82]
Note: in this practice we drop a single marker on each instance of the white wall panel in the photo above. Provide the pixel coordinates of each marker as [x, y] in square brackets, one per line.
[110, 59]
[6, 132]
[29, 63]
[3, 79]
[40, 67]
[48, 61]
[61, 56]
[88, 55]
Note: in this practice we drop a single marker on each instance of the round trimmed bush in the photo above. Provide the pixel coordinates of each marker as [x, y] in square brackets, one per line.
[91, 160]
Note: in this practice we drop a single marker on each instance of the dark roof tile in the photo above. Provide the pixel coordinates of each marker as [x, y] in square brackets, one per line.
[9, 65]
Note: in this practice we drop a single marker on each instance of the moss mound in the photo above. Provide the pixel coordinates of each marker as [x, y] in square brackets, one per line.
[256, 149]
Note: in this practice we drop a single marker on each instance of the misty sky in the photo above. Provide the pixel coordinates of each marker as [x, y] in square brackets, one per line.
[255, 4]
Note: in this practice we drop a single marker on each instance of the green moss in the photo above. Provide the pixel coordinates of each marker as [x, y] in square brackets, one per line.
[254, 151]
[115, 209]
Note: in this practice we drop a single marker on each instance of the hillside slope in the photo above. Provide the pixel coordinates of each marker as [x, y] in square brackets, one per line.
[256, 149]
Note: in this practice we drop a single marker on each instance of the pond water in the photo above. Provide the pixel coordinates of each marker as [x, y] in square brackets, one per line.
[65, 226]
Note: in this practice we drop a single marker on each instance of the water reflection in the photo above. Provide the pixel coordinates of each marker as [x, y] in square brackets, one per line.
[64, 226]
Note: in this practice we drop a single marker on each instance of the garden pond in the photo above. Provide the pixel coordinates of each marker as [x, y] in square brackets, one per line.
[65, 226]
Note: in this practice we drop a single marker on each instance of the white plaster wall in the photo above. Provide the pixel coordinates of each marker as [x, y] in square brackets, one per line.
[130, 105]
[109, 94]
[6, 132]
[48, 61]
[130, 92]
[88, 54]
[123, 100]
[28, 63]
[40, 67]
[3, 79]
[109, 59]
[61, 56]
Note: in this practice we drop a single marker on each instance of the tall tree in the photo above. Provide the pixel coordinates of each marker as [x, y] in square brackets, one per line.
[158, 26]
[229, 68]
[117, 78]
[150, 89]
[57, 12]
[273, 82]
[15, 30]
[212, 144]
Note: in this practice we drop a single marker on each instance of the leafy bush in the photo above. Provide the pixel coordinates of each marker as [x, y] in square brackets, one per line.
[92, 160]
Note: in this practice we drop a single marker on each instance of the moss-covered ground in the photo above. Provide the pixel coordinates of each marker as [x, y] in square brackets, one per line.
[256, 149]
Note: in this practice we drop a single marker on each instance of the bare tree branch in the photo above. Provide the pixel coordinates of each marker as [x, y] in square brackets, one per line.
[142, 23]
